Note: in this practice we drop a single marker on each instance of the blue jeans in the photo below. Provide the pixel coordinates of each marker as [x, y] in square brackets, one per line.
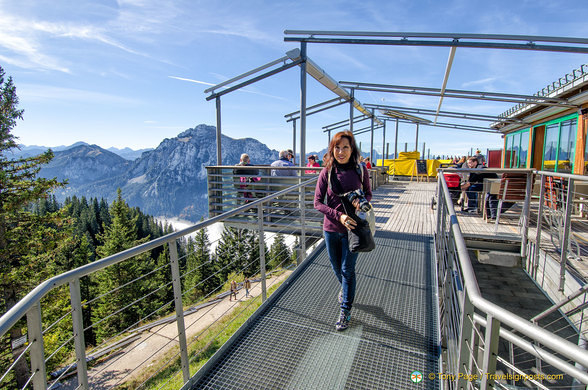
[343, 263]
[472, 194]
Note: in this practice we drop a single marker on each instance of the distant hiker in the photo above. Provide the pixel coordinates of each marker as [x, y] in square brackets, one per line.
[233, 290]
[247, 284]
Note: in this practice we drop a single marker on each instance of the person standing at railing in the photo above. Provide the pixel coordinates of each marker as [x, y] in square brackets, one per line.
[245, 180]
[481, 158]
[312, 163]
[284, 161]
[368, 163]
[342, 165]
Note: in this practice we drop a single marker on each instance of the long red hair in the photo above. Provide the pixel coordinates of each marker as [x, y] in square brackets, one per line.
[329, 157]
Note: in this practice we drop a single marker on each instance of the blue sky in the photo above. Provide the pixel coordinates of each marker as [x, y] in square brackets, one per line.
[132, 72]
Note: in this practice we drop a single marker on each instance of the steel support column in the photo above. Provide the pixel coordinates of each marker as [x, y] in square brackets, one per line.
[294, 138]
[351, 109]
[302, 104]
[396, 141]
[383, 143]
[372, 138]
[219, 160]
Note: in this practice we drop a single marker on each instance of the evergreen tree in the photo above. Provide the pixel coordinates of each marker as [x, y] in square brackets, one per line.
[252, 265]
[29, 241]
[294, 256]
[121, 235]
[199, 264]
[236, 252]
[226, 252]
[279, 254]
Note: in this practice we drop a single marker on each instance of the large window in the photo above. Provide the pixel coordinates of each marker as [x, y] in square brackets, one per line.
[517, 149]
[558, 149]
[524, 149]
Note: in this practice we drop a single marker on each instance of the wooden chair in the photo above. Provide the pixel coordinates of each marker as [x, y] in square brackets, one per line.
[513, 188]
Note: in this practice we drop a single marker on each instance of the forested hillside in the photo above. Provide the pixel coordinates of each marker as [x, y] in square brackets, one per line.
[41, 238]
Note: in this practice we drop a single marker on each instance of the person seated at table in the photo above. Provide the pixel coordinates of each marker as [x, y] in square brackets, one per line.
[474, 184]
[461, 163]
[492, 205]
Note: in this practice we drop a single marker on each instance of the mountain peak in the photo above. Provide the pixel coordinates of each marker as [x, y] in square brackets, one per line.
[201, 130]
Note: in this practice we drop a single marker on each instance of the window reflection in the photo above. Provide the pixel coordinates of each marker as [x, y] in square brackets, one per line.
[566, 146]
[524, 149]
[550, 147]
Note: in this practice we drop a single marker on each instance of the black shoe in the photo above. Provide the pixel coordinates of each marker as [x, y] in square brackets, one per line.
[344, 318]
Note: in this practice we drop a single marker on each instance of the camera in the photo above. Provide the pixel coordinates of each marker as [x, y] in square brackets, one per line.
[364, 205]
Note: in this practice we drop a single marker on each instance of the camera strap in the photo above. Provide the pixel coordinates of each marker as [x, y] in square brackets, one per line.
[335, 185]
[338, 189]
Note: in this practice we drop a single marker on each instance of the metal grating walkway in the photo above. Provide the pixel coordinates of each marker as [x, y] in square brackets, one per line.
[292, 342]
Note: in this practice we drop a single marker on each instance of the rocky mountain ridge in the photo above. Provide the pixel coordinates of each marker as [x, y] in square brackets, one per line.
[168, 181]
[34, 150]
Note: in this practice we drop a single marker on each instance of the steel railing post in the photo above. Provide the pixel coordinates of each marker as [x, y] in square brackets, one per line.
[491, 339]
[526, 213]
[566, 235]
[440, 206]
[539, 228]
[302, 222]
[261, 252]
[465, 343]
[78, 333]
[37, 354]
[177, 287]
[475, 345]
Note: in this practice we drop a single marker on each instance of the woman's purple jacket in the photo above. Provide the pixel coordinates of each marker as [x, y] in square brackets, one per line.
[333, 208]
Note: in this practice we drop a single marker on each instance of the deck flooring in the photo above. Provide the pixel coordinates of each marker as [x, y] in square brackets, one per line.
[291, 342]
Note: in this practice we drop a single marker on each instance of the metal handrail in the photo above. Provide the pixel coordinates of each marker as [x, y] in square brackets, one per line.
[24, 305]
[556, 343]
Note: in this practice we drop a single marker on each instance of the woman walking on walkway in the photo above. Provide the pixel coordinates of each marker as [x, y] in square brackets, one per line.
[341, 169]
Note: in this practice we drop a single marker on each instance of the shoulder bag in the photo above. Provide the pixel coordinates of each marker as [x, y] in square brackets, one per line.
[361, 237]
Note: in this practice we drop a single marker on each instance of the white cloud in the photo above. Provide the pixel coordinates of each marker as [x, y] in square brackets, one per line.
[242, 89]
[190, 80]
[32, 92]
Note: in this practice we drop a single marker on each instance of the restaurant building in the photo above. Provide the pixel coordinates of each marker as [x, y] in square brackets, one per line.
[550, 136]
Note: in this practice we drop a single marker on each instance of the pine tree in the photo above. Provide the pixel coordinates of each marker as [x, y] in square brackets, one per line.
[201, 275]
[29, 240]
[121, 235]
[279, 254]
[226, 252]
[252, 266]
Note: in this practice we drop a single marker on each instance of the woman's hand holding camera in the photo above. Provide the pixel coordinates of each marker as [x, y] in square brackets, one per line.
[347, 221]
